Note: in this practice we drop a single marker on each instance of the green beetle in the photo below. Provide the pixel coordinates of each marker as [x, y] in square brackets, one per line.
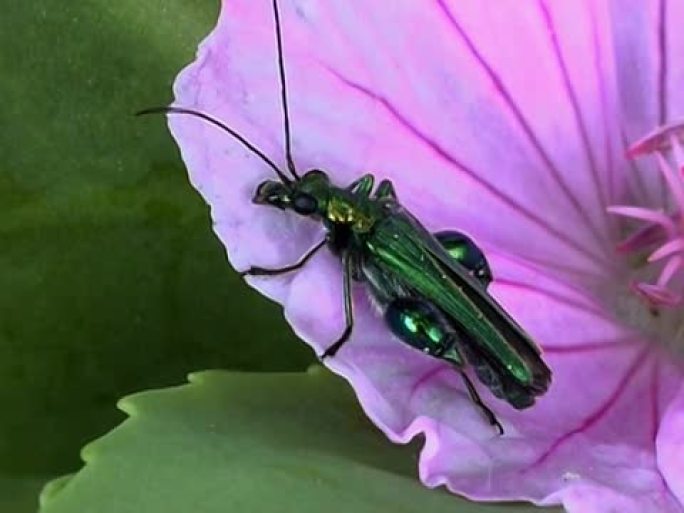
[431, 288]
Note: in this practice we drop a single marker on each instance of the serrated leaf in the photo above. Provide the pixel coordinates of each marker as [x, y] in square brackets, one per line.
[250, 442]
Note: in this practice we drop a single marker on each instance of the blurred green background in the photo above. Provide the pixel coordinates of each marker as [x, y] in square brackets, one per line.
[111, 280]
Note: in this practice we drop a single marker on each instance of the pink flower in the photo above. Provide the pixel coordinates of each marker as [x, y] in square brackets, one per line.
[509, 121]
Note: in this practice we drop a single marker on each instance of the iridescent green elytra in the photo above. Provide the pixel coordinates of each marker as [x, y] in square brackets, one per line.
[431, 288]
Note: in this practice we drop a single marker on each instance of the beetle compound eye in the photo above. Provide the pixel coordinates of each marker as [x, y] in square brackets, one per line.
[315, 173]
[263, 190]
[272, 193]
[305, 204]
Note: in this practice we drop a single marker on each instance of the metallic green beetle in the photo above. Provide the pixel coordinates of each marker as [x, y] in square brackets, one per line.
[431, 288]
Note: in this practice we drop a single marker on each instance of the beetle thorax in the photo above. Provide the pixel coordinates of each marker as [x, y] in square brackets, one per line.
[345, 211]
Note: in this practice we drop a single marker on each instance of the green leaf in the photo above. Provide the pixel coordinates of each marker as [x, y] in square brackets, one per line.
[110, 277]
[20, 495]
[250, 442]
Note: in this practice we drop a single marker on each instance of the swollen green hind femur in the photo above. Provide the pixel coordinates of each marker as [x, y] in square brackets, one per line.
[418, 324]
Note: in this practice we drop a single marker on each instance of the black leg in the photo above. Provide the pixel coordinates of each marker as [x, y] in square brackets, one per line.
[385, 191]
[475, 397]
[348, 306]
[448, 346]
[362, 186]
[260, 271]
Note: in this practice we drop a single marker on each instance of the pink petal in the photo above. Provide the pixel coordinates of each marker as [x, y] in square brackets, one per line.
[670, 445]
[482, 136]
[649, 43]
[515, 144]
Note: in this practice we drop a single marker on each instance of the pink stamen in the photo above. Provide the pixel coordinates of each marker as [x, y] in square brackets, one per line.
[671, 267]
[662, 229]
[657, 296]
[644, 214]
[641, 239]
[678, 154]
[660, 140]
[673, 181]
[667, 249]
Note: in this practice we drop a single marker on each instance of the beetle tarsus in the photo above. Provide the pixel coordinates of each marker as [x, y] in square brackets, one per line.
[475, 397]
[332, 350]
[261, 271]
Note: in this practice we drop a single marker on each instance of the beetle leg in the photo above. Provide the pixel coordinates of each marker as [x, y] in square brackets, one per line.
[385, 190]
[362, 186]
[475, 397]
[348, 308]
[423, 326]
[260, 271]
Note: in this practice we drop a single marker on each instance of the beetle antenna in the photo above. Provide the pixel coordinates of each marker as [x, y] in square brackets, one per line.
[222, 126]
[283, 93]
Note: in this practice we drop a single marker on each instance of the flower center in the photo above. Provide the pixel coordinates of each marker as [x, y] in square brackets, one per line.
[655, 250]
